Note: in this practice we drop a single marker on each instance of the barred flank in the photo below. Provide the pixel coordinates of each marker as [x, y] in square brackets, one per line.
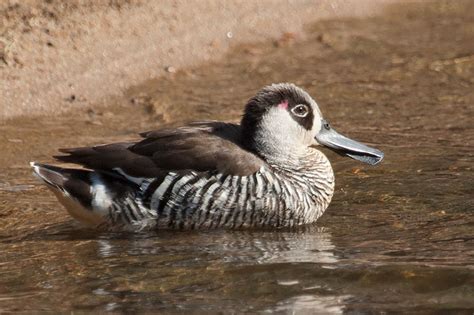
[274, 196]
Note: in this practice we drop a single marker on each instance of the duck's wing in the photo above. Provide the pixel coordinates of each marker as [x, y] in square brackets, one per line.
[199, 147]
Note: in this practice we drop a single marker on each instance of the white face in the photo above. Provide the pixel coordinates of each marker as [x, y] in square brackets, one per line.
[279, 121]
[287, 129]
[290, 121]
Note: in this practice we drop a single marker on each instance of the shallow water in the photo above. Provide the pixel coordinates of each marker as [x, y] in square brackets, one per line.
[397, 237]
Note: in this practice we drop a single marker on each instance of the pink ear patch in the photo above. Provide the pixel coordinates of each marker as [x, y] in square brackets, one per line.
[283, 104]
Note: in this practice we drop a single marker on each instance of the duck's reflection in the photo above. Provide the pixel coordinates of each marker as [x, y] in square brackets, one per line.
[311, 304]
[311, 245]
[240, 263]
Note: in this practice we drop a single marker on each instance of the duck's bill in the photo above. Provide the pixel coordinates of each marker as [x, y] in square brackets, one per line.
[345, 146]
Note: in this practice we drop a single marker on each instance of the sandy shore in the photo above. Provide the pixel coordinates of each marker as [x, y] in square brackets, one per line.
[57, 55]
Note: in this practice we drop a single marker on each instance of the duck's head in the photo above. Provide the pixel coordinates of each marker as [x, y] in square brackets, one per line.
[282, 120]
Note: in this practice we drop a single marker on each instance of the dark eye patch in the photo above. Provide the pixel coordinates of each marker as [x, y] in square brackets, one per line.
[300, 110]
[286, 96]
[296, 112]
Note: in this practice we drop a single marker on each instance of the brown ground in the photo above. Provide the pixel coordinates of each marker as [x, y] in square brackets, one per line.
[56, 55]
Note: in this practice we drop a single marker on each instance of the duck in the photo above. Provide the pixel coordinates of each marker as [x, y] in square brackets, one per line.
[267, 171]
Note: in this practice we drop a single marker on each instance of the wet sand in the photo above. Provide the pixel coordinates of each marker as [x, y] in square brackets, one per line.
[56, 55]
[397, 237]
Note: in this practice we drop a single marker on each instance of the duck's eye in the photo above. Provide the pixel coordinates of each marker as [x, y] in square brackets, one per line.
[300, 110]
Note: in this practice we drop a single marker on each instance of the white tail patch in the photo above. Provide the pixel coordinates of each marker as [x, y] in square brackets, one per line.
[77, 211]
[101, 199]
[73, 206]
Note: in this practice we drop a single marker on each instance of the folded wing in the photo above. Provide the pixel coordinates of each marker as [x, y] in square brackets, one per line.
[200, 147]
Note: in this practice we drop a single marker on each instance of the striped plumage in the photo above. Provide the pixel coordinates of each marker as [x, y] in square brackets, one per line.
[264, 173]
[195, 200]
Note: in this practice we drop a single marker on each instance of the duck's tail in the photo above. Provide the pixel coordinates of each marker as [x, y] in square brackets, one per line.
[97, 198]
[74, 188]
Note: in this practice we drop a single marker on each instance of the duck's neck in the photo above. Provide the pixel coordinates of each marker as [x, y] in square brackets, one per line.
[274, 147]
[312, 178]
[311, 164]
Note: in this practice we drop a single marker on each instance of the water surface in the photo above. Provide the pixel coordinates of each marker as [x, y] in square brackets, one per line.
[397, 237]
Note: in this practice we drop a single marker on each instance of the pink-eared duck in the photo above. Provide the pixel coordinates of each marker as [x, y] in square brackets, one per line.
[265, 172]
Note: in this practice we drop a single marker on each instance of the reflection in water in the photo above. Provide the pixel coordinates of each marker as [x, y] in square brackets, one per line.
[105, 249]
[172, 265]
[313, 245]
[310, 304]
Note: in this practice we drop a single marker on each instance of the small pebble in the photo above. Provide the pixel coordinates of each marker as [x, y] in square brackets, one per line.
[71, 98]
[15, 140]
[170, 69]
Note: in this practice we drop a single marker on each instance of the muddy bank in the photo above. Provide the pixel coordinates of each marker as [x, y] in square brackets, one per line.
[57, 55]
